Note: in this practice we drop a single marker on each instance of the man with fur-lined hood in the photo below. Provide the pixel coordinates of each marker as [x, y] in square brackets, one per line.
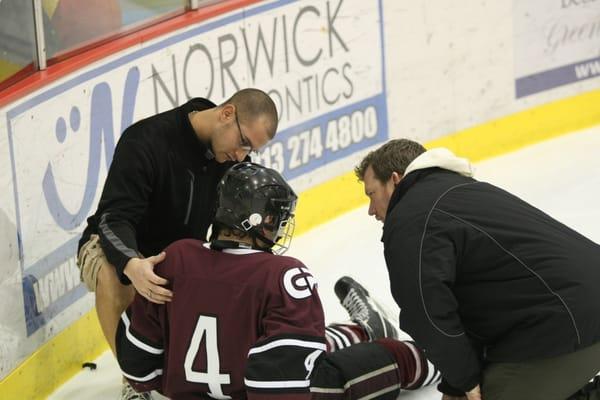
[502, 298]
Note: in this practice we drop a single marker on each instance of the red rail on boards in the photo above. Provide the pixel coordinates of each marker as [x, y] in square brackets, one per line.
[87, 55]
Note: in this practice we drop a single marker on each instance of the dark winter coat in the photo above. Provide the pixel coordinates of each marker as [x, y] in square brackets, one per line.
[482, 276]
[161, 187]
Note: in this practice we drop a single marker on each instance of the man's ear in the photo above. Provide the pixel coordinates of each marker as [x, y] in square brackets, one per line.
[227, 112]
[396, 177]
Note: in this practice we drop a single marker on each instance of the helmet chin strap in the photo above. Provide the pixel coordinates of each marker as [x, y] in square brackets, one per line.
[255, 234]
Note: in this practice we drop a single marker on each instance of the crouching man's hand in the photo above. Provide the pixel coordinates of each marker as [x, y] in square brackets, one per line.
[140, 272]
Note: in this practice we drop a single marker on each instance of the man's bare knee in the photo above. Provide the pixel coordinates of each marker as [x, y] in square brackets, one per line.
[109, 288]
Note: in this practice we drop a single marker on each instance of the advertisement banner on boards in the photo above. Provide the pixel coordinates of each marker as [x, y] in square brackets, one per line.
[322, 62]
[557, 42]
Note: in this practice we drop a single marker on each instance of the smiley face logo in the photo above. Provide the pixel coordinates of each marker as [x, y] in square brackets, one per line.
[102, 137]
[61, 126]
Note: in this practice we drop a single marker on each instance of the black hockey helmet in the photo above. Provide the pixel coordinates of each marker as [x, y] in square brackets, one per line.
[253, 199]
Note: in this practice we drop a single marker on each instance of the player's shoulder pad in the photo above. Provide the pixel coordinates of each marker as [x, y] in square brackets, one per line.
[184, 245]
[176, 251]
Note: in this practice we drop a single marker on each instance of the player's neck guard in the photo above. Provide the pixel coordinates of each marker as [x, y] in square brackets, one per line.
[220, 245]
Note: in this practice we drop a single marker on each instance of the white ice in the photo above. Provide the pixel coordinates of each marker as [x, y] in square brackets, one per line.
[560, 176]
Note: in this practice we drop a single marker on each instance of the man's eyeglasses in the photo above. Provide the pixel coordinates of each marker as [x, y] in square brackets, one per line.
[244, 142]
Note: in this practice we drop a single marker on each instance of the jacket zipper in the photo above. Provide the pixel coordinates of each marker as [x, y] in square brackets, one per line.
[190, 199]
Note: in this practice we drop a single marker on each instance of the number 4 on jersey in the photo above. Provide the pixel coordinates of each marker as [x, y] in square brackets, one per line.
[212, 377]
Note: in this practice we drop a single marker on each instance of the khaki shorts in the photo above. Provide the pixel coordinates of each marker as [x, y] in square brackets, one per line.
[90, 259]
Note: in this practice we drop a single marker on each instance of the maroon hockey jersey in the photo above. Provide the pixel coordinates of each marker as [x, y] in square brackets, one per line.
[242, 324]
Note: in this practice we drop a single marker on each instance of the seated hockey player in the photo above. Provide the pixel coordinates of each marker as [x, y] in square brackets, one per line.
[247, 323]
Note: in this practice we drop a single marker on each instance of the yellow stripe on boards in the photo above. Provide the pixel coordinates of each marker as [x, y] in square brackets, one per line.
[60, 358]
[56, 361]
[524, 128]
[327, 201]
[345, 193]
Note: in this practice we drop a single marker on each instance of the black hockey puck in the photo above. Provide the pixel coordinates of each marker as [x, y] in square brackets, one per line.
[92, 366]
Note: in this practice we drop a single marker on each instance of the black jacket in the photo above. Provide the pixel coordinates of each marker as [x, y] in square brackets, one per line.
[481, 276]
[160, 188]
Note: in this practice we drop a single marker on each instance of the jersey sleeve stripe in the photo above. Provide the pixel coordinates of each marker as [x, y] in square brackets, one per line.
[146, 378]
[137, 342]
[288, 342]
[276, 384]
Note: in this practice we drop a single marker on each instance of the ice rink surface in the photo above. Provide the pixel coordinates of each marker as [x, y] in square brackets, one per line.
[559, 176]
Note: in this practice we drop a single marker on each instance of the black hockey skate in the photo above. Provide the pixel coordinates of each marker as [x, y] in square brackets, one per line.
[363, 310]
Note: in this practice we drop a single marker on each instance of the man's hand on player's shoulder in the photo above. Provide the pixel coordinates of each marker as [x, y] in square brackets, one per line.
[140, 272]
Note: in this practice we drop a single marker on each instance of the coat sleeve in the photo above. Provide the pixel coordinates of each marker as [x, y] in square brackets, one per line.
[281, 362]
[124, 200]
[422, 268]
